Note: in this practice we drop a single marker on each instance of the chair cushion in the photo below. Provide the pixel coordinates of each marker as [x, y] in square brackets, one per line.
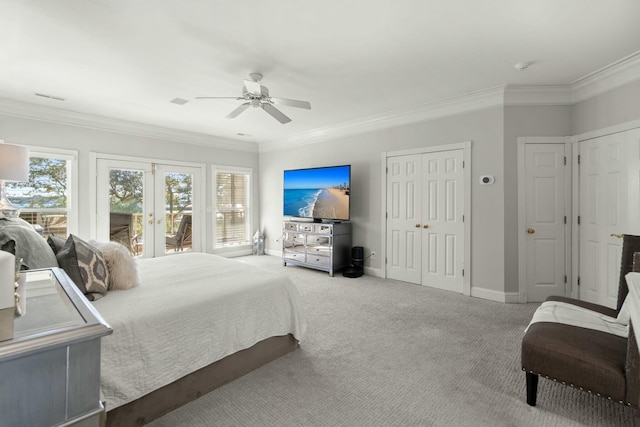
[584, 304]
[587, 359]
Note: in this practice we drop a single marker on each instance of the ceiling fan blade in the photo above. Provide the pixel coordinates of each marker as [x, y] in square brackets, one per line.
[277, 114]
[237, 111]
[291, 103]
[217, 97]
[254, 88]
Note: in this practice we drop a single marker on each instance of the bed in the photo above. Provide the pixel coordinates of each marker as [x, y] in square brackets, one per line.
[195, 322]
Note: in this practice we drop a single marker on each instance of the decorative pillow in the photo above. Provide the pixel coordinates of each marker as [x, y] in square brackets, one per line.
[123, 271]
[85, 265]
[18, 237]
[56, 243]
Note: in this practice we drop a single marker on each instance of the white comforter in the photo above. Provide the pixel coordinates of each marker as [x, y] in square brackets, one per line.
[189, 311]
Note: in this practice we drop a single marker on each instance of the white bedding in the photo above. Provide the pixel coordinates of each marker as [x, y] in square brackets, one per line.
[189, 311]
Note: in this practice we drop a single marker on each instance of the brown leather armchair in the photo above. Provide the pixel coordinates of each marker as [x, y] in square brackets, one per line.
[597, 362]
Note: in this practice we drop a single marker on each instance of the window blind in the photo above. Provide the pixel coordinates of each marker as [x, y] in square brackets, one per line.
[232, 208]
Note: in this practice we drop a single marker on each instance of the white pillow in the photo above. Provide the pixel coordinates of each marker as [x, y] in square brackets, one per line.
[123, 271]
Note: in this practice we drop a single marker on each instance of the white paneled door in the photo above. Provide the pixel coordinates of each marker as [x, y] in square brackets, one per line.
[545, 220]
[609, 207]
[442, 220]
[425, 229]
[404, 220]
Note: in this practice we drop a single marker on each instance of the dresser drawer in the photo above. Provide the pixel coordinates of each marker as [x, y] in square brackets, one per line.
[294, 256]
[318, 260]
[290, 226]
[319, 250]
[322, 240]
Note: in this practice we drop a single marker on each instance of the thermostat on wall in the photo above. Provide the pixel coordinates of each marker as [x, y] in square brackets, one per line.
[487, 179]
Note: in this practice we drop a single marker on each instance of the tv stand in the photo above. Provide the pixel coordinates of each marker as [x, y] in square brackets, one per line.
[322, 246]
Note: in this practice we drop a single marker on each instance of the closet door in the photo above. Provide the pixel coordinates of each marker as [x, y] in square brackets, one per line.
[609, 207]
[425, 228]
[442, 220]
[404, 223]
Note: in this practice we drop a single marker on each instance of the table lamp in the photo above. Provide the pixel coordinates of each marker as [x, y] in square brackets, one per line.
[14, 166]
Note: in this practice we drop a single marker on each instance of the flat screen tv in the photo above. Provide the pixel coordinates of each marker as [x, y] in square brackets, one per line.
[320, 193]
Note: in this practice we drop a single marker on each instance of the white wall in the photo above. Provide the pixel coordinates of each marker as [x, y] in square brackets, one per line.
[85, 140]
[614, 107]
[484, 128]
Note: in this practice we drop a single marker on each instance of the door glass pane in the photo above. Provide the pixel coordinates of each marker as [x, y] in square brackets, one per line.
[126, 191]
[178, 210]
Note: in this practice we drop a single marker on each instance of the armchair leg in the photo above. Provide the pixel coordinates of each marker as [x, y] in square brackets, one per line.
[532, 388]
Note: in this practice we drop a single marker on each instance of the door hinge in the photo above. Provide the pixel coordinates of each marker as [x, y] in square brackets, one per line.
[387, 170]
[463, 164]
[578, 158]
[386, 215]
[462, 218]
[153, 168]
[385, 260]
[463, 272]
[565, 219]
[578, 219]
[565, 278]
[578, 280]
[565, 160]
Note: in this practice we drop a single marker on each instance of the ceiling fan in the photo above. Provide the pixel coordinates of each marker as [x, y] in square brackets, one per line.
[257, 96]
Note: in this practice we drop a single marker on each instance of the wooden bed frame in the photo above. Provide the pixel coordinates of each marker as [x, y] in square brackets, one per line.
[182, 391]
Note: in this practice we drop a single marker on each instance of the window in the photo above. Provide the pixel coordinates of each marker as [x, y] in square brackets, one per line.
[233, 215]
[45, 200]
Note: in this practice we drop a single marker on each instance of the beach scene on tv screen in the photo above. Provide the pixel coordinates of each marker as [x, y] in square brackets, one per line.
[317, 193]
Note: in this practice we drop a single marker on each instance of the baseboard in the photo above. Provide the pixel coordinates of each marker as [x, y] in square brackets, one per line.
[233, 252]
[491, 295]
[375, 272]
[273, 252]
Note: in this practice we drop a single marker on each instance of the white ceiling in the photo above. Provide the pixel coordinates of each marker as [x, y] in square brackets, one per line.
[351, 59]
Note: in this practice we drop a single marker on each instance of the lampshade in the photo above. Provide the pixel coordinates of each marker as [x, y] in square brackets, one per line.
[14, 163]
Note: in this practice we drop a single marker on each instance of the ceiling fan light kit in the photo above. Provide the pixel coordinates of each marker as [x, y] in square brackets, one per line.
[257, 96]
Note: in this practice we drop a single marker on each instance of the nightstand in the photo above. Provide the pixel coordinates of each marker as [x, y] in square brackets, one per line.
[50, 370]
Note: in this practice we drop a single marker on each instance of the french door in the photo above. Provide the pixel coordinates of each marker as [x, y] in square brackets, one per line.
[153, 209]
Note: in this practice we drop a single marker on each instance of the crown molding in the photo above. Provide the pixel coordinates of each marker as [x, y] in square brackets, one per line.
[619, 73]
[54, 115]
[478, 100]
[516, 95]
[614, 75]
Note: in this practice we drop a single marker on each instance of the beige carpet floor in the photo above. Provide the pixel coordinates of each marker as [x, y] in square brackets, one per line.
[384, 353]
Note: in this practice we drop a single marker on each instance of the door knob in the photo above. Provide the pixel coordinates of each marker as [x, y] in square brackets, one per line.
[530, 230]
[619, 236]
[425, 226]
[150, 221]
[417, 225]
[159, 221]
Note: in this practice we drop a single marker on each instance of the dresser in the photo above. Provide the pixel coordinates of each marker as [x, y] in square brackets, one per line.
[50, 370]
[322, 246]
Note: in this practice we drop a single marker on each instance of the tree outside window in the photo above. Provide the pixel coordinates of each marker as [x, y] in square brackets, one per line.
[43, 200]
